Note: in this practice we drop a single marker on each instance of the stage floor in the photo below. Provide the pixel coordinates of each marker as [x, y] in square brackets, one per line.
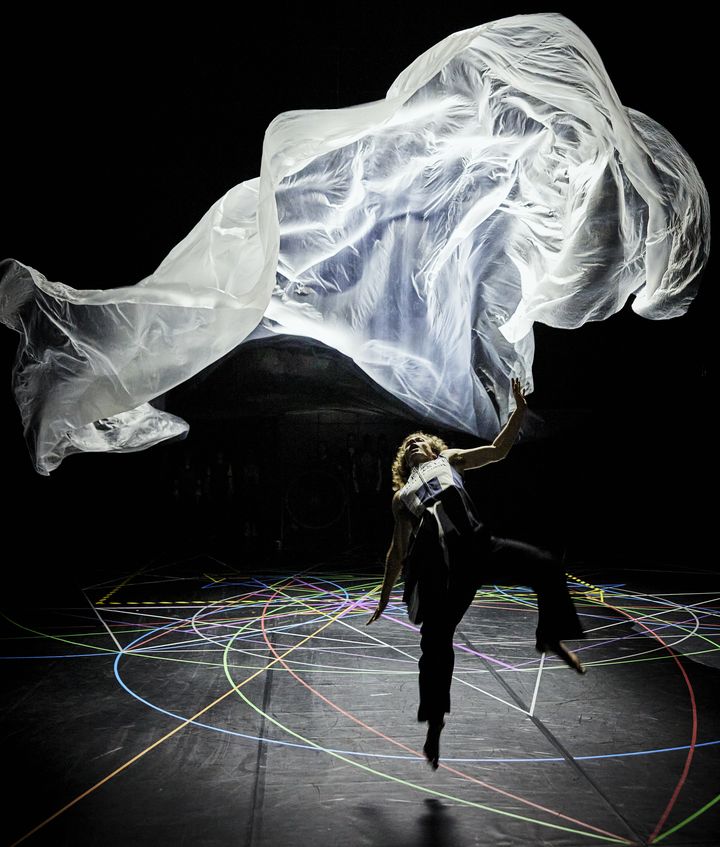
[207, 703]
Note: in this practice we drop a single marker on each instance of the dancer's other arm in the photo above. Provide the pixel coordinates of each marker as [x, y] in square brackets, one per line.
[395, 555]
[465, 460]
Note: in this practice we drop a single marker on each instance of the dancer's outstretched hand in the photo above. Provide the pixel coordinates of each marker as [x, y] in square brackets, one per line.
[518, 393]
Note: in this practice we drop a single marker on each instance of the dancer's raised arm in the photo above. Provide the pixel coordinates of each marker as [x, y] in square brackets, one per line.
[465, 460]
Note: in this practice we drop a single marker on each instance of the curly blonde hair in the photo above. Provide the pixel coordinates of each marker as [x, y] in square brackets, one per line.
[400, 470]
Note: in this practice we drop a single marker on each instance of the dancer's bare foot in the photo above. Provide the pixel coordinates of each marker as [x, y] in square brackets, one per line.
[431, 749]
[559, 649]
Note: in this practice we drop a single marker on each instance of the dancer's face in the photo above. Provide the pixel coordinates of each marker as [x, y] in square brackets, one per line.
[417, 451]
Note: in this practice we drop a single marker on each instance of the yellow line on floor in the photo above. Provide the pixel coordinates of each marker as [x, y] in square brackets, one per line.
[190, 720]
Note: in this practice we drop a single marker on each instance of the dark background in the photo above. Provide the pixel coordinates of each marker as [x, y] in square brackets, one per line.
[120, 132]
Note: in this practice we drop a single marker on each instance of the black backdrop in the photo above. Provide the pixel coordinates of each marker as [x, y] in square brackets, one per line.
[119, 133]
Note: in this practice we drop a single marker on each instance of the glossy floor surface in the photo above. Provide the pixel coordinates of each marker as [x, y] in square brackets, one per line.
[208, 703]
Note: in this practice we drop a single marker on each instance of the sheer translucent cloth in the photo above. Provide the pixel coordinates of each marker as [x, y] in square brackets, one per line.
[499, 183]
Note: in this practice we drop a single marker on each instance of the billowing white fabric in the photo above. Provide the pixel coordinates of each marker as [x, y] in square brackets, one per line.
[500, 182]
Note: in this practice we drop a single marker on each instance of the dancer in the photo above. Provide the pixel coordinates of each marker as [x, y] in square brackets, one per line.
[447, 554]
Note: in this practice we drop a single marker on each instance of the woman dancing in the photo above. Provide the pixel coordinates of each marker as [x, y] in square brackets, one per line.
[447, 554]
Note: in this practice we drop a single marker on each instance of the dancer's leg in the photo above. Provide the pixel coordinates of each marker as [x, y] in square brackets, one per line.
[517, 563]
[437, 659]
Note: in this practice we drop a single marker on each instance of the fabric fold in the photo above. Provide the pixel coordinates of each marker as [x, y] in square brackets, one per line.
[499, 183]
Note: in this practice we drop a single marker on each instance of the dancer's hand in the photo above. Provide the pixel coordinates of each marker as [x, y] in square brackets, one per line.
[382, 603]
[518, 393]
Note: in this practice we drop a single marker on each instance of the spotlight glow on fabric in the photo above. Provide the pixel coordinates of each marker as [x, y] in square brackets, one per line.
[500, 182]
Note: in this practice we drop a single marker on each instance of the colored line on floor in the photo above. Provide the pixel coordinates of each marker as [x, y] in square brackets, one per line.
[184, 724]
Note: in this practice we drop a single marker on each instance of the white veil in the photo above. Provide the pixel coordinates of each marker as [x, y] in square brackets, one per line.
[499, 182]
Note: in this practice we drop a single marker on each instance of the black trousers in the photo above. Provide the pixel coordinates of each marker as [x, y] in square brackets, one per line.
[446, 592]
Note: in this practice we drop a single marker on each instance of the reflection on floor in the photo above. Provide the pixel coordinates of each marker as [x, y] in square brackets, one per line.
[203, 703]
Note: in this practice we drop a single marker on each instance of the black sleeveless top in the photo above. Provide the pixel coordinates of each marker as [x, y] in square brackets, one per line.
[448, 533]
